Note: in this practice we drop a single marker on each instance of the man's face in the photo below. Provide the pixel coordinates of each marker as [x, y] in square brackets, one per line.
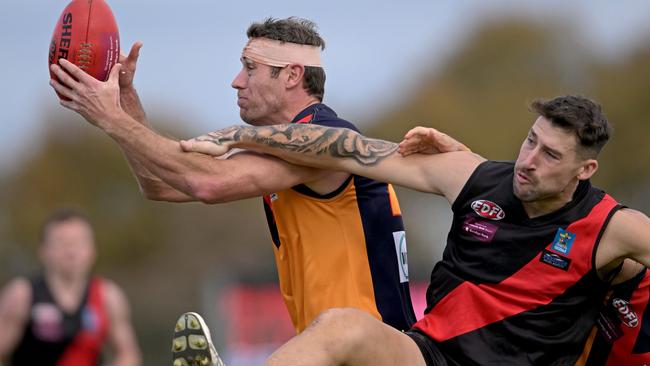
[548, 164]
[259, 95]
[68, 248]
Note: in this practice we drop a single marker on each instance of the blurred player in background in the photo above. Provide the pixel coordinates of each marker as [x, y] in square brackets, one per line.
[65, 316]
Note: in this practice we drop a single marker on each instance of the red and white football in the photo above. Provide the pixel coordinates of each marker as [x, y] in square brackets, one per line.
[86, 35]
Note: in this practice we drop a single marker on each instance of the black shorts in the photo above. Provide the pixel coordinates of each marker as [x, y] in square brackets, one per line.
[430, 352]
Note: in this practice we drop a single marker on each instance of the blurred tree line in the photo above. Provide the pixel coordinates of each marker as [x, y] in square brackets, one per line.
[163, 254]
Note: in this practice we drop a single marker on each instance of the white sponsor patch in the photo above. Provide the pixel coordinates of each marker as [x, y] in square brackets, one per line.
[402, 259]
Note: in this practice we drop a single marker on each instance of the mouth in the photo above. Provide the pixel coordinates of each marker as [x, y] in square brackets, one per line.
[522, 178]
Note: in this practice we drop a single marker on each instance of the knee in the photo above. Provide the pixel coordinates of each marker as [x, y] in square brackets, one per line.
[346, 325]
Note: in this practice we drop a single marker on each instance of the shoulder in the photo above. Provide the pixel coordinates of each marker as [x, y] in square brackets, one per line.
[628, 235]
[19, 287]
[114, 296]
[336, 123]
[325, 116]
[628, 223]
[17, 294]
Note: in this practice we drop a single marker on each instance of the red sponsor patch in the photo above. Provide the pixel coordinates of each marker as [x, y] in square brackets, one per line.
[488, 209]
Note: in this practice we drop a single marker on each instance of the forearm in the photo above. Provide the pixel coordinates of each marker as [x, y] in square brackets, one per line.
[130, 102]
[151, 186]
[348, 151]
[155, 160]
[315, 146]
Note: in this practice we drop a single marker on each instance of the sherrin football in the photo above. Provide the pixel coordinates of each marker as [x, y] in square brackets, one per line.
[86, 34]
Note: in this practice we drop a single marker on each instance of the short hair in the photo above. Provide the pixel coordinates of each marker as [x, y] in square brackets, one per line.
[60, 216]
[294, 30]
[580, 115]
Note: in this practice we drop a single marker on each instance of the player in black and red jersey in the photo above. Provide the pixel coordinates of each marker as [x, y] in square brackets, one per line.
[65, 316]
[530, 255]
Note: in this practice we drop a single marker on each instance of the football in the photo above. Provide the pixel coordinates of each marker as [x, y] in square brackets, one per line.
[86, 34]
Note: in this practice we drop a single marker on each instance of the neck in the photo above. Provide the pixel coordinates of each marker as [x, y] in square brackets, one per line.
[294, 107]
[67, 283]
[68, 291]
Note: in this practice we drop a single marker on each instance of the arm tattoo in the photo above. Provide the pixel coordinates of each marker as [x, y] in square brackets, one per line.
[316, 140]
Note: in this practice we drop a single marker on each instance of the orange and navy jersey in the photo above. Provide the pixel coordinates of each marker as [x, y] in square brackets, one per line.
[343, 249]
[622, 332]
[56, 337]
[514, 290]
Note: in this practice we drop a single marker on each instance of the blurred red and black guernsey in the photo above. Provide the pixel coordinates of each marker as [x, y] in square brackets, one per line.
[86, 34]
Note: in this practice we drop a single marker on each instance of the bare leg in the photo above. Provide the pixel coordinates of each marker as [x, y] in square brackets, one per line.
[348, 337]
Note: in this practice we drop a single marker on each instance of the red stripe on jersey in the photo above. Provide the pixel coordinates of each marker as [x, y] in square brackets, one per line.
[86, 347]
[469, 306]
[621, 353]
[305, 119]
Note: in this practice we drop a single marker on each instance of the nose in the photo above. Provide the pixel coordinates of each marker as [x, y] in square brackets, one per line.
[239, 82]
[529, 161]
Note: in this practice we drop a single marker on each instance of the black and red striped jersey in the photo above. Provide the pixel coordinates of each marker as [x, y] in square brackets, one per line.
[56, 337]
[514, 290]
[622, 332]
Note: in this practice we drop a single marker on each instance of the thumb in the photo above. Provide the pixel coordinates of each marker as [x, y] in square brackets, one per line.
[186, 145]
[115, 73]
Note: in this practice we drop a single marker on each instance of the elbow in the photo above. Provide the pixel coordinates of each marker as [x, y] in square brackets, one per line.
[153, 192]
[207, 190]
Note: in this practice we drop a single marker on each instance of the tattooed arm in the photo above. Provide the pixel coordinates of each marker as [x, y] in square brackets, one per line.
[346, 150]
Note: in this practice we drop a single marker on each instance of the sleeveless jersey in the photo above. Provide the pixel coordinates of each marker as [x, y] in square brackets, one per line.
[511, 290]
[622, 332]
[343, 249]
[54, 337]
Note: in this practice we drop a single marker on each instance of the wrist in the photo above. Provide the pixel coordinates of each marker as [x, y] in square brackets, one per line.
[115, 124]
[126, 90]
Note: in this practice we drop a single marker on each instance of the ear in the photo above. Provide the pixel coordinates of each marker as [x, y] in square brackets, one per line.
[295, 75]
[587, 169]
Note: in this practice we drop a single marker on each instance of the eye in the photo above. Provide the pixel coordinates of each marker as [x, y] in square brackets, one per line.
[529, 140]
[552, 155]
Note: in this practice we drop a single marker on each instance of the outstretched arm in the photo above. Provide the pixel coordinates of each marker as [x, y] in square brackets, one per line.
[198, 176]
[346, 150]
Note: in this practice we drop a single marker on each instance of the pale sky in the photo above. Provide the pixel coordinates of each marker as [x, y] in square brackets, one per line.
[192, 47]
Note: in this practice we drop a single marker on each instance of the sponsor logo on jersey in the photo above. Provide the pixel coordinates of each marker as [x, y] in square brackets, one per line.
[555, 260]
[488, 210]
[625, 312]
[402, 258]
[480, 230]
[273, 197]
[563, 241]
[89, 319]
[47, 322]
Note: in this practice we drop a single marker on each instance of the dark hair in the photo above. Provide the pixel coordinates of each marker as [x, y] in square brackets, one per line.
[580, 115]
[62, 215]
[294, 30]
